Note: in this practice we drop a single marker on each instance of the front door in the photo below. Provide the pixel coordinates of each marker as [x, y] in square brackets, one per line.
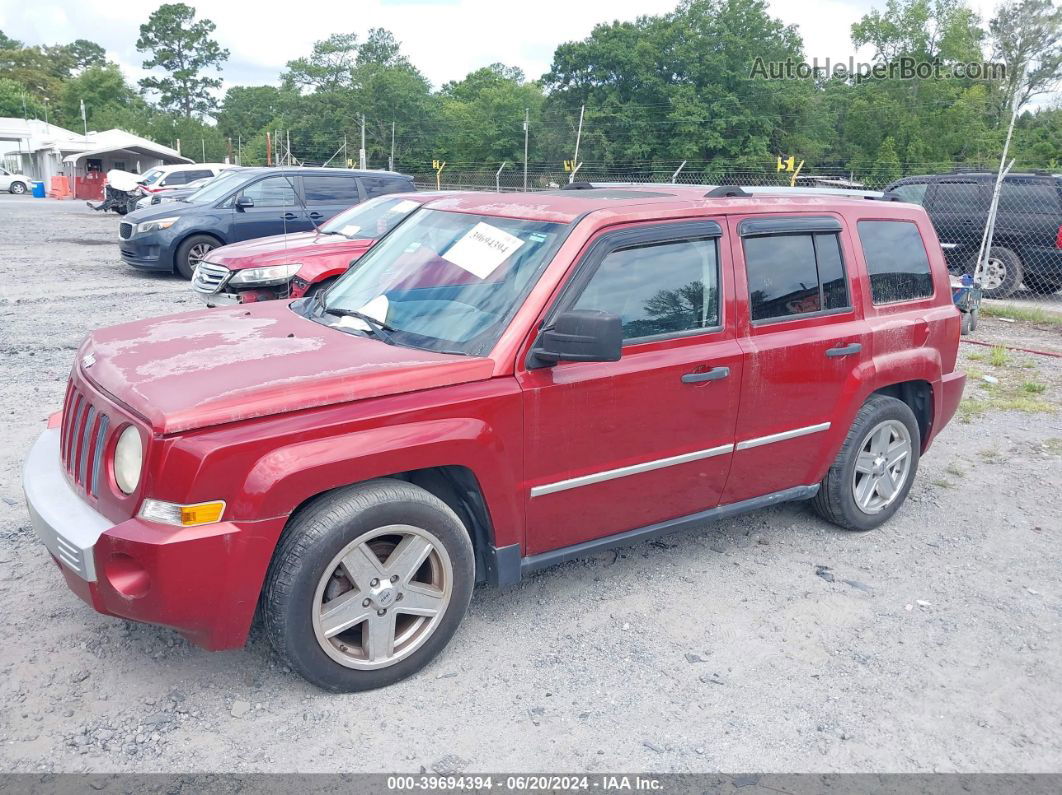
[805, 348]
[614, 446]
[274, 210]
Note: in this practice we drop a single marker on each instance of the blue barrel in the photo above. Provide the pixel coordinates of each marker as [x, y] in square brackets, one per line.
[38, 189]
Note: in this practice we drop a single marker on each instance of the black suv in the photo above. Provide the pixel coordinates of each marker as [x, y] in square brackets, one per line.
[1027, 244]
[243, 204]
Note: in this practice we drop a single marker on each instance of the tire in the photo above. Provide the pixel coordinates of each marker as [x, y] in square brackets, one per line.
[975, 316]
[1044, 285]
[309, 570]
[836, 500]
[17, 187]
[191, 251]
[1002, 273]
[967, 323]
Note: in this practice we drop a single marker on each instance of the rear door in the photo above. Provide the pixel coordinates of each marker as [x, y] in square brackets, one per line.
[327, 195]
[1028, 222]
[275, 210]
[805, 344]
[958, 207]
[614, 446]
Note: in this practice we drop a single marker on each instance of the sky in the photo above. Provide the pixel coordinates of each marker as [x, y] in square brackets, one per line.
[445, 39]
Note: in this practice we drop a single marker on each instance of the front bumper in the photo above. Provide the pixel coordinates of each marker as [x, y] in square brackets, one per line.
[148, 251]
[202, 581]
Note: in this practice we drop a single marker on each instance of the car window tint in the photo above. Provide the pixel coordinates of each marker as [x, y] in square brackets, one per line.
[912, 192]
[330, 190]
[959, 196]
[783, 275]
[271, 192]
[662, 288]
[896, 261]
[176, 178]
[1038, 197]
[378, 186]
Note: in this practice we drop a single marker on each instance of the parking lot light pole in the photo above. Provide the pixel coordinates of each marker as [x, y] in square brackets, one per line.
[527, 118]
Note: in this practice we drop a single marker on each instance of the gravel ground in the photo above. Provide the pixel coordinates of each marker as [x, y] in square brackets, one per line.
[772, 642]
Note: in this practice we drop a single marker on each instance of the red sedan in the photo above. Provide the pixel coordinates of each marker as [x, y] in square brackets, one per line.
[291, 266]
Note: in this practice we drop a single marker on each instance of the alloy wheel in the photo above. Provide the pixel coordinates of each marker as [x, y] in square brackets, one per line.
[197, 252]
[382, 597]
[993, 273]
[883, 466]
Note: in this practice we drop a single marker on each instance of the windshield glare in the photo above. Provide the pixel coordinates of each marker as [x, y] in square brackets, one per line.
[218, 187]
[445, 281]
[151, 176]
[371, 219]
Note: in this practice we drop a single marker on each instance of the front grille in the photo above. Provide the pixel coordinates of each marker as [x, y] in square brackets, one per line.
[82, 440]
[209, 277]
[125, 230]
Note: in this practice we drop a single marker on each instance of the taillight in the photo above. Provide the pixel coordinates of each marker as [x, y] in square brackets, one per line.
[1058, 238]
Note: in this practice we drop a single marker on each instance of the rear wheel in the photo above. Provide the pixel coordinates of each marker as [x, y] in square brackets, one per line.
[872, 474]
[1001, 274]
[191, 252]
[368, 585]
[967, 323]
[18, 187]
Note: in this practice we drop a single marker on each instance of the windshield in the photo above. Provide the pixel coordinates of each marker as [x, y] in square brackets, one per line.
[443, 281]
[218, 187]
[371, 219]
[151, 176]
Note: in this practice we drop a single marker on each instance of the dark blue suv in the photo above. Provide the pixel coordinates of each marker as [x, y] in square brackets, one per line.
[242, 204]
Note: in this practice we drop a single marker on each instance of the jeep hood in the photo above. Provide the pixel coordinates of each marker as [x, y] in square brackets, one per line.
[286, 249]
[199, 369]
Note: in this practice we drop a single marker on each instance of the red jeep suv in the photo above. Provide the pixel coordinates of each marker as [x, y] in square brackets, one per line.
[503, 383]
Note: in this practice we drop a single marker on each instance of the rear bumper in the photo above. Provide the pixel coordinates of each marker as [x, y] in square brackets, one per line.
[202, 581]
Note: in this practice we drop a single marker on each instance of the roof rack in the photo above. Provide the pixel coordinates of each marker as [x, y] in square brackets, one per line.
[726, 192]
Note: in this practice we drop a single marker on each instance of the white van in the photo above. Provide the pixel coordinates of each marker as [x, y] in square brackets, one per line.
[165, 177]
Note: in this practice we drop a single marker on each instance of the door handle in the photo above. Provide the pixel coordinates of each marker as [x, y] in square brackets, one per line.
[289, 216]
[708, 375]
[844, 350]
[316, 215]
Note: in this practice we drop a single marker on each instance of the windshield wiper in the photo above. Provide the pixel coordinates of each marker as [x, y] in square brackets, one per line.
[377, 327]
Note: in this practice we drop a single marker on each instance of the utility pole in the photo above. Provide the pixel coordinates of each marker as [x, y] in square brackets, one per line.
[578, 137]
[361, 153]
[269, 150]
[228, 151]
[239, 149]
[84, 117]
[202, 141]
[391, 159]
[346, 158]
[527, 118]
[287, 144]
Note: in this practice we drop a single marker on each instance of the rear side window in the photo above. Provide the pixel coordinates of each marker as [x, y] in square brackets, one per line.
[795, 274]
[330, 190]
[1039, 197]
[914, 192]
[176, 178]
[896, 260]
[378, 186]
[661, 288]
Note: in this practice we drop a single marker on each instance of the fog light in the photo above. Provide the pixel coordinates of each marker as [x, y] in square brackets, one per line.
[126, 576]
[182, 515]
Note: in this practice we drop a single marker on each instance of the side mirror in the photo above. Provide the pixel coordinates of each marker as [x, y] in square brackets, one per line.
[244, 202]
[581, 335]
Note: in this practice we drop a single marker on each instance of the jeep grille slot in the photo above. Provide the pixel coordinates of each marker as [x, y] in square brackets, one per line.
[82, 439]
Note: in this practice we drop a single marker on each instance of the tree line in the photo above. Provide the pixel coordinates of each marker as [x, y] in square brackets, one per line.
[658, 90]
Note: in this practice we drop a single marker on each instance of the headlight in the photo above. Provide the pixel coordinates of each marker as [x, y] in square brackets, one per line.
[128, 458]
[273, 274]
[156, 225]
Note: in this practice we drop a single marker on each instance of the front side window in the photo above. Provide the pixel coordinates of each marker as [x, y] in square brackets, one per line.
[795, 274]
[896, 261]
[330, 190]
[152, 176]
[914, 192]
[443, 281]
[659, 288]
[271, 192]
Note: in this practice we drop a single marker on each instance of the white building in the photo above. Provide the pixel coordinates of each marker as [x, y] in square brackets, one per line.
[42, 151]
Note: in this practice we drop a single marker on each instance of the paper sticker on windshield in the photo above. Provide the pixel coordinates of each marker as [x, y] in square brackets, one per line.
[376, 308]
[482, 249]
[404, 206]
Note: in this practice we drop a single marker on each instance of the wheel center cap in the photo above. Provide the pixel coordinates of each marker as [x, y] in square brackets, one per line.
[879, 466]
[385, 595]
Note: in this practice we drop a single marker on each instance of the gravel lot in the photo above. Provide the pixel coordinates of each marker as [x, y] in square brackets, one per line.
[769, 643]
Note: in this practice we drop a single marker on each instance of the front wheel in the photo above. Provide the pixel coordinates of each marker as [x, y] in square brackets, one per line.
[368, 585]
[18, 187]
[192, 251]
[872, 474]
